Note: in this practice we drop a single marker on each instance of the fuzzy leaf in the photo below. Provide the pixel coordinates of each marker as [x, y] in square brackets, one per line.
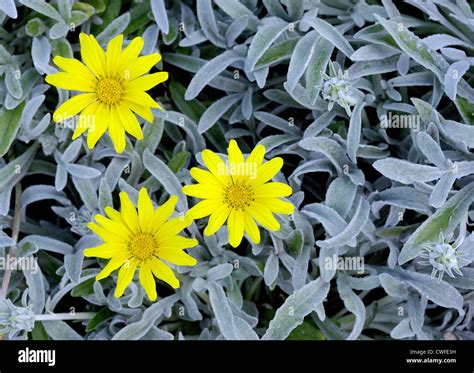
[60, 331]
[407, 172]
[166, 177]
[43, 8]
[330, 33]
[353, 304]
[291, 314]
[9, 126]
[209, 71]
[444, 220]
[262, 40]
[216, 111]
[161, 17]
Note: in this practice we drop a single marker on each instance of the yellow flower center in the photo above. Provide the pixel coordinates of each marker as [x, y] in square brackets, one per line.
[109, 91]
[143, 246]
[238, 196]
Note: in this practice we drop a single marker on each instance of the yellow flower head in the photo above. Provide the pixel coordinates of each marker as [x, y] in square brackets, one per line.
[239, 192]
[115, 86]
[142, 240]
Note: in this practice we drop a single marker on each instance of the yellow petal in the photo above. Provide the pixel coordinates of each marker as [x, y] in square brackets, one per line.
[236, 162]
[175, 256]
[263, 216]
[129, 54]
[129, 213]
[75, 67]
[217, 166]
[142, 65]
[86, 120]
[256, 156]
[70, 82]
[73, 106]
[273, 189]
[235, 154]
[146, 212]
[147, 281]
[116, 228]
[178, 242]
[217, 219]
[116, 131]
[204, 208]
[114, 215]
[92, 55]
[172, 227]
[100, 124]
[202, 191]
[114, 50]
[106, 250]
[129, 121]
[251, 228]
[164, 273]
[146, 82]
[79, 130]
[277, 205]
[205, 177]
[268, 170]
[163, 213]
[106, 235]
[125, 277]
[112, 265]
[235, 227]
[140, 110]
[140, 98]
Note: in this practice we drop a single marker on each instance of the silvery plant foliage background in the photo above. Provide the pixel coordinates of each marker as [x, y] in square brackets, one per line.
[371, 105]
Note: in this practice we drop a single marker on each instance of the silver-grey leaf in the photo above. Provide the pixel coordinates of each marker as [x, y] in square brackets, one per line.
[291, 314]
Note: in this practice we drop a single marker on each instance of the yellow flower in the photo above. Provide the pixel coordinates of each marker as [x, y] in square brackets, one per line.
[114, 84]
[141, 240]
[238, 191]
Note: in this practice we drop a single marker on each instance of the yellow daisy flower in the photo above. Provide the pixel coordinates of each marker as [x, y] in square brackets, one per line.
[239, 192]
[141, 240]
[114, 84]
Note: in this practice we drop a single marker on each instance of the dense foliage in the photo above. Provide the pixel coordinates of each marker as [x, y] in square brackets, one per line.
[371, 106]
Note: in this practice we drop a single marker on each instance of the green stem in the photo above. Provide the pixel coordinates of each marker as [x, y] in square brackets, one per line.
[65, 316]
[15, 234]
